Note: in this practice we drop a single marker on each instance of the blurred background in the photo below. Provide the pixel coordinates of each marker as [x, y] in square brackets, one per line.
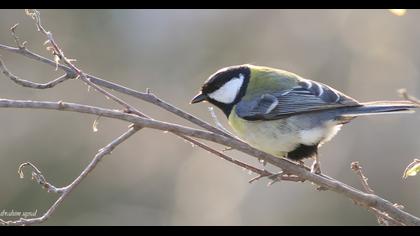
[158, 179]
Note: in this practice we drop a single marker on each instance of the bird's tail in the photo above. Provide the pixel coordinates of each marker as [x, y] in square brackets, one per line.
[381, 107]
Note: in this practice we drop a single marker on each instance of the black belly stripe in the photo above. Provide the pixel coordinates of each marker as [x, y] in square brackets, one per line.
[303, 151]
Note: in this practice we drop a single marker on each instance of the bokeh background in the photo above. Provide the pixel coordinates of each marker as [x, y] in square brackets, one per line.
[158, 179]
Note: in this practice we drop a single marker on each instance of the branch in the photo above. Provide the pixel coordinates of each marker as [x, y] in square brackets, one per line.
[65, 191]
[147, 97]
[72, 70]
[144, 96]
[140, 120]
[26, 83]
[363, 199]
[356, 167]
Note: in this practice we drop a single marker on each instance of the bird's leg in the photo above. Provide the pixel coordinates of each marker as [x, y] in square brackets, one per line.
[316, 167]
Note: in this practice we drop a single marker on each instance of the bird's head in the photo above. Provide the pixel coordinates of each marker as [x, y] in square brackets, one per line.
[225, 88]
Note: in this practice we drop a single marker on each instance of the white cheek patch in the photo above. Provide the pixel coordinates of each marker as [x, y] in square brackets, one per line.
[227, 93]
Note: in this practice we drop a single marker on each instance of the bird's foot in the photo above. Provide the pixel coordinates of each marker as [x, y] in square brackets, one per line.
[316, 168]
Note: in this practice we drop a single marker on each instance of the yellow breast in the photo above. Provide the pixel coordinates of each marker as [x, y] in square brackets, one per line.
[275, 137]
[278, 137]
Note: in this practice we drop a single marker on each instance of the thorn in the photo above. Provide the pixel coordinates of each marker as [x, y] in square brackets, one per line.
[95, 124]
[13, 28]
[57, 61]
[50, 48]
[60, 104]
[355, 165]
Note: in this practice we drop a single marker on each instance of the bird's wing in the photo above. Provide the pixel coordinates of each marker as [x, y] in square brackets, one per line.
[307, 96]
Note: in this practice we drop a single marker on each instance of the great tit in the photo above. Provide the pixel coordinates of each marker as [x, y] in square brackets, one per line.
[282, 113]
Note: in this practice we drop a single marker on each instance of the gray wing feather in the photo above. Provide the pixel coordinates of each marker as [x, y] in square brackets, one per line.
[308, 96]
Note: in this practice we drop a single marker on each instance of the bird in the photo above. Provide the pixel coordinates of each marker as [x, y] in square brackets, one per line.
[284, 114]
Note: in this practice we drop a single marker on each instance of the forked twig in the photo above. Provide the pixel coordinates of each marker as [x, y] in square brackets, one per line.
[64, 191]
[39, 178]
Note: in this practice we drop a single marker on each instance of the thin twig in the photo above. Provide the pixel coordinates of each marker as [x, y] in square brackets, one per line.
[147, 97]
[57, 51]
[30, 84]
[356, 167]
[39, 178]
[281, 177]
[261, 173]
[382, 217]
[15, 37]
[68, 189]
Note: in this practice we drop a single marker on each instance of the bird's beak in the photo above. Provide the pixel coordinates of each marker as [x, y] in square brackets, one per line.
[198, 98]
